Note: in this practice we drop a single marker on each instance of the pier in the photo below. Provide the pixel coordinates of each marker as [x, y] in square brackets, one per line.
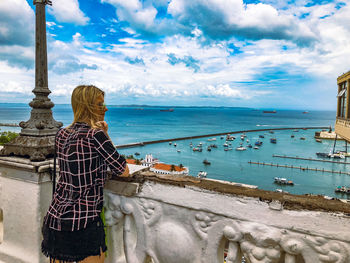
[136, 144]
[308, 159]
[9, 125]
[299, 167]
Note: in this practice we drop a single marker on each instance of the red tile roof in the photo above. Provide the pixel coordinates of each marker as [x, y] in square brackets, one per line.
[131, 161]
[167, 167]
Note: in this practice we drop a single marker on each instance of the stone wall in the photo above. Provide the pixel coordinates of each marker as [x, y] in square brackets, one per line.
[174, 219]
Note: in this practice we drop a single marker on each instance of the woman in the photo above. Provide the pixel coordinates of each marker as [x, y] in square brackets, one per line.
[73, 230]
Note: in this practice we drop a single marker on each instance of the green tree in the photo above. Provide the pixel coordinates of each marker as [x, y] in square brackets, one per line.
[172, 168]
[6, 137]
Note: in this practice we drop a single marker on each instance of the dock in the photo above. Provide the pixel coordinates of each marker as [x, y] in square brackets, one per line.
[212, 135]
[299, 167]
[9, 125]
[308, 159]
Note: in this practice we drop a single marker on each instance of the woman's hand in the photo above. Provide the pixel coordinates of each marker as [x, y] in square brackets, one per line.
[102, 125]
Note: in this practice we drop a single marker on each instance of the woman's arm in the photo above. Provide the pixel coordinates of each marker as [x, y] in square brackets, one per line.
[109, 153]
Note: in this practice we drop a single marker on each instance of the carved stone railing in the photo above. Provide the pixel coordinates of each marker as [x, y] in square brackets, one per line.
[184, 219]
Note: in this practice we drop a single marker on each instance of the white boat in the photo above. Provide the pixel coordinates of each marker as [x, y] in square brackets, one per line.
[256, 147]
[211, 139]
[247, 141]
[281, 191]
[230, 138]
[178, 151]
[241, 148]
[202, 174]
[170, 143]
[283, 181]
[225, 145]
[175, 144]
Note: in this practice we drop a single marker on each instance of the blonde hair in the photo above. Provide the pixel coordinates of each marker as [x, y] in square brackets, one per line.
[84, 104]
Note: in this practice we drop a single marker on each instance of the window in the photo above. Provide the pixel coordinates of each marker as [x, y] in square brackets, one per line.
[342, 96]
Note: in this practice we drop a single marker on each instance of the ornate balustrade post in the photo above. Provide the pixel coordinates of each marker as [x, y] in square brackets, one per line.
[25, 180]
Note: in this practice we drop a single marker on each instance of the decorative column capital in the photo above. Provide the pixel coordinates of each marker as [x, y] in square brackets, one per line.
[45, 2]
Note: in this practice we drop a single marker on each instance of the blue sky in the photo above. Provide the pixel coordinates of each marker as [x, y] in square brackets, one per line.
[261, 54]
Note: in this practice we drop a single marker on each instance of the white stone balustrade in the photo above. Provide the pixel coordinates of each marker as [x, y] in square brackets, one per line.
[165, 219]
[184, 220]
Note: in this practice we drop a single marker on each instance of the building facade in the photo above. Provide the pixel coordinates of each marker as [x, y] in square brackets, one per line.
[342, 124]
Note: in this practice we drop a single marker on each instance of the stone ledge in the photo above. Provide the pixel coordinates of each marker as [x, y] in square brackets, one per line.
[122, 188]
[289, 201]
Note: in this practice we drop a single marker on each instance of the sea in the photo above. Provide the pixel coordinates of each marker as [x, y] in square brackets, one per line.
[130, 124]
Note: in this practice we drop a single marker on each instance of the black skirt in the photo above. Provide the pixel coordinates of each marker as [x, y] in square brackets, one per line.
[71, 246]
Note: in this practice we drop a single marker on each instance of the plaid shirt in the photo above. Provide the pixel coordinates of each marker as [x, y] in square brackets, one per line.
[83, 155]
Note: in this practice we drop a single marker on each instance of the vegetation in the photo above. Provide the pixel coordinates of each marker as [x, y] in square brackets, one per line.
[7, 136]
[172, 168]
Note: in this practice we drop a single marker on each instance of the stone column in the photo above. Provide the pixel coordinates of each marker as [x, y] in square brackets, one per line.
[36, 139]
[25, 182]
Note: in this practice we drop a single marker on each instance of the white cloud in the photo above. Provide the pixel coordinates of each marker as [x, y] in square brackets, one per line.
[16, 23]
[68, 12]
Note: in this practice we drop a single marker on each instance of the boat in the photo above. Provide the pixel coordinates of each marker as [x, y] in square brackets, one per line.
[222, 137]
[206, 162]
[202, 174]
[211, 139]
[281, 191]
[323, 155]
[261, 136]
[225, 145]
[282, 181]
[241, 148]
[209, 149]
[137, 153]
[269, 111]
[170, 143]
[256, 147]
[273, 140]
[342, 189]
[168, 110]
[292, 136]
[271, 132]
[302, 138]
[178, 151]
[247, 141]
[230, 138]
[305, 112]
[258, 143]
[213, 146]
[295, 130]
[228, 149]
[337, 156]
[249, 146]
[175, 144]
[318, 140]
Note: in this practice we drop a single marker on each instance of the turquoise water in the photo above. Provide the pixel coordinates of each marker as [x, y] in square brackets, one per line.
[132, 124]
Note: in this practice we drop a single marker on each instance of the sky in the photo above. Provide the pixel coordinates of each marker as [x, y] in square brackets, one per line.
[240, 53]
